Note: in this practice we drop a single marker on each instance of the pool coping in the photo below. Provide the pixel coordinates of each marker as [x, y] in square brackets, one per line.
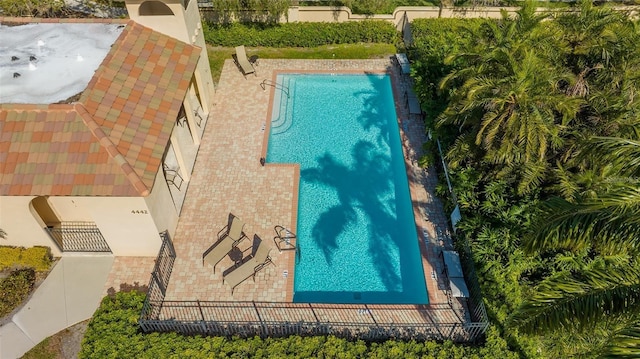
[428, 269]
[228, 177]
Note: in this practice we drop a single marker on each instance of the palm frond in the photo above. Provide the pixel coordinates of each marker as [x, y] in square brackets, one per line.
[623, 153]
[579, 300]
[609, 222]
[624, 343]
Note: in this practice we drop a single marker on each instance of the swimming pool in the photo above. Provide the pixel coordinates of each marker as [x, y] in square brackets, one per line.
[357, 237]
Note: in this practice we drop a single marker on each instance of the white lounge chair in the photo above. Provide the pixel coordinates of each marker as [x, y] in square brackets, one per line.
[243, 62]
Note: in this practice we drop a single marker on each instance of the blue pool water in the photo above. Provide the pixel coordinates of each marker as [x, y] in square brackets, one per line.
[356, 233]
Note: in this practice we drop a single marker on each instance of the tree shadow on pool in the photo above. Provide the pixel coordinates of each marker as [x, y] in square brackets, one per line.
[374, 116]
[365, 186]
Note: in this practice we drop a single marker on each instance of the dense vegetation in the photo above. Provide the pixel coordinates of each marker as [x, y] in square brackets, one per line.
[36, 8]
[18, 267]
[301, 34]
[540, 119]
[113, 332]
[15, 288]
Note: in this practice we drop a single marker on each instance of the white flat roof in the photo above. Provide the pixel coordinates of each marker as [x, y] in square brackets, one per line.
[51, 62]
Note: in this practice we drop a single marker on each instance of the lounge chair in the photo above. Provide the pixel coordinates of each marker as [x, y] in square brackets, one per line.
[404, 63]
[412, 103]
[233, 228]
[250, 266]
[228, 238]
[243, 62]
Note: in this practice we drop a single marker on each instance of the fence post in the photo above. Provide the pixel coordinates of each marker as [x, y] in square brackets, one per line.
[200, 309]
[371, 315]
[263, 328]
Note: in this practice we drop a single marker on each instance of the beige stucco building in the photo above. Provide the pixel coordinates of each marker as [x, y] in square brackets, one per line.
[100, 125]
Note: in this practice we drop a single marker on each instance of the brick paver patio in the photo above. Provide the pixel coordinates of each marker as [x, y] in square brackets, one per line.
[228, 177]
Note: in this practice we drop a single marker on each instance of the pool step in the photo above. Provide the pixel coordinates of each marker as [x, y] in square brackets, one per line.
[285, 118]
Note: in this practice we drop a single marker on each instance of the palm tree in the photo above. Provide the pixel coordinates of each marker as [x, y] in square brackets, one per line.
[511, 98]
[602, 49]
[608, 226]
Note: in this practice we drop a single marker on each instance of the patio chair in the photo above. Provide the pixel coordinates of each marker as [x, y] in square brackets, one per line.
[250, 266]
[233, 228]
[172, 176]
[228, 238]
[242, 62]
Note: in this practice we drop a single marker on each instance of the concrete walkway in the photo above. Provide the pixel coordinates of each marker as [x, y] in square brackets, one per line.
[70, 294]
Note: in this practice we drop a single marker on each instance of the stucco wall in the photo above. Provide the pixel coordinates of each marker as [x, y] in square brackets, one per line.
[125, 222]
[399, 16]
[172, 25]
[21, 226]
[342, 13]
[161, 207]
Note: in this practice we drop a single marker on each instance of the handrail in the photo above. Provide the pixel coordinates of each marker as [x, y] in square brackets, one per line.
[285, 236]
[275, 85]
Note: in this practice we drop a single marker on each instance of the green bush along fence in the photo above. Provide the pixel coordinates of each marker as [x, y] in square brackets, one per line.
[300, 34]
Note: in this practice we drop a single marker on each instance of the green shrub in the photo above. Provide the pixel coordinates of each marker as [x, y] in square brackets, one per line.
[38, 258]
[433, 41]
[301, 34]
[15, 288]
[114, 333]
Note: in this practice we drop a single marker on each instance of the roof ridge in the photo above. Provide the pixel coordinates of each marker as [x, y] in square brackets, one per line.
[111, 148]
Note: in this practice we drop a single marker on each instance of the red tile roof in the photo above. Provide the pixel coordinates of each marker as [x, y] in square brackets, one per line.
[113, 140]
[50, 150]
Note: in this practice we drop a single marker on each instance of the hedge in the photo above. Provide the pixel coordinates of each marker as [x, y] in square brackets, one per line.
[38, 258]
[15, 288]
[114, 333]
[302, 34]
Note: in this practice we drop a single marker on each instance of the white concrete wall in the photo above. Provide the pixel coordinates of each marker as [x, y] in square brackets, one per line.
[128, 230]
[172, 25]
[125, 222]
[21, 226]
[203, 77]
[343, 13]
[161, 207]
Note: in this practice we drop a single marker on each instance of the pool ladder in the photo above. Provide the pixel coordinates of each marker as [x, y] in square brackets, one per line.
[284, 239]
[275, 85]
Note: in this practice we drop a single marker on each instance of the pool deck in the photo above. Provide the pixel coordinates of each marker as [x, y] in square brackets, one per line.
[228, 177]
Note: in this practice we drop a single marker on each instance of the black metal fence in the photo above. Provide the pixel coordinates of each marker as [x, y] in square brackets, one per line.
[269, 319]
[476, 305]
[78, 237]
[159, 278]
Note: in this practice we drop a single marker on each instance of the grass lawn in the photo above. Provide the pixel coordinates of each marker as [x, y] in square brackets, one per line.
[64, 344]
[217, 55]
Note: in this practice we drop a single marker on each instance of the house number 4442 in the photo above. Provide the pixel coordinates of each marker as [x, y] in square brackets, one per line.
[139, 211]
